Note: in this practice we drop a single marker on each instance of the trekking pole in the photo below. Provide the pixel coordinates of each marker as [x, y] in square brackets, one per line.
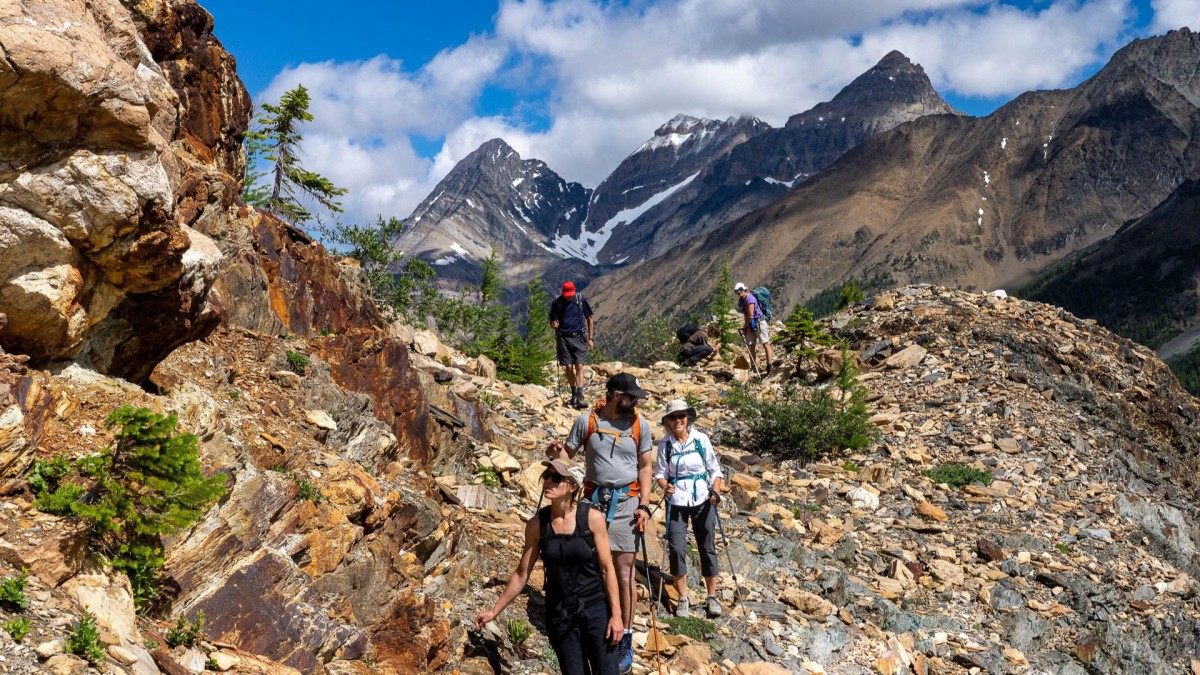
[750, 353]
[641, 538]
[666, 544]
[737, 591]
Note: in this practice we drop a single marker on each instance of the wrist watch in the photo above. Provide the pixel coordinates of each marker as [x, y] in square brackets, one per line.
[644, 507]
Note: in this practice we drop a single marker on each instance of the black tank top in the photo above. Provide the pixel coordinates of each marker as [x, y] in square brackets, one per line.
[570, 560]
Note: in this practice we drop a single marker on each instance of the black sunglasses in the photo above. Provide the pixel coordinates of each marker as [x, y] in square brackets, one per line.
[672, 418]
[553, 477]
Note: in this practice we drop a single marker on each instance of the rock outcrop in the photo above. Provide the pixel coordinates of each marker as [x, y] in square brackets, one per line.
[98, 155]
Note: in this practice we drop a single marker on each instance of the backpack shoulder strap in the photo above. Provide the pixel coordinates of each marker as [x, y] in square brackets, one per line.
[637, 432]
[591, 429]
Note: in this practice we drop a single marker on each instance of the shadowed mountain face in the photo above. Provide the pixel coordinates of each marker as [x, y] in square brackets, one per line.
[977, 202]
[1144, 281]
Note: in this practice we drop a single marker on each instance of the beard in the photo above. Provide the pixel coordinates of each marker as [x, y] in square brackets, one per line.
[624, 407]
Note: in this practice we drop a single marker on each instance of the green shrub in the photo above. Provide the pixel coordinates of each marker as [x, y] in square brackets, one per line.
[18, 628]
[306, 490]
[691, 626]
[693, 400]
[805, 423]
[519, 631]
[297, 362]
[959, 475]
[1063, 548]
[851, 466]
[84, 640]
[234, 394]
[488, 476]
[185, 632]
[46, 474]
[148, 486]
[12, 593]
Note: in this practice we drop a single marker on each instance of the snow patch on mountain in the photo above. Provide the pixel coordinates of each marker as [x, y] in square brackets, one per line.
[588, 244]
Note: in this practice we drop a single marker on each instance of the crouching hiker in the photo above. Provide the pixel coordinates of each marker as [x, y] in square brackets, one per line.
[619, 461]
[693, 344]
[690, 475]
[583, 613]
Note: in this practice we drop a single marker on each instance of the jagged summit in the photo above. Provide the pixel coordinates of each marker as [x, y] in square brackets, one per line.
[493, 199]
[895, 89]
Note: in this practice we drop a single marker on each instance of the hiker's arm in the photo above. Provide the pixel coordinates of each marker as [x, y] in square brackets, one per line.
[516, 583]
[660, 470]
[645, 471]
[568, 449]
[604, 556]
[553, 321]
[591, 331]
[713, 468]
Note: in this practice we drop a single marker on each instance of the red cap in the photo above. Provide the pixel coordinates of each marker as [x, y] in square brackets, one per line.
[568, 289]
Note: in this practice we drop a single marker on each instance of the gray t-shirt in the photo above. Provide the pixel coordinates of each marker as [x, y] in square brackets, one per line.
[611, 461]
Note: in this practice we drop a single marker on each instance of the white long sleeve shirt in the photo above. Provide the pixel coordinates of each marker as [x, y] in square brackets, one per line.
[692, 472]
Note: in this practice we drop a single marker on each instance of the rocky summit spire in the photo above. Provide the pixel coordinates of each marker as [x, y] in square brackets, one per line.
[895, 89]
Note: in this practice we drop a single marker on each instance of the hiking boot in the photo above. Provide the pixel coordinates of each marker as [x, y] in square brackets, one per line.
[713, 607]
[625, 648]
[579, 403]
[683, 607]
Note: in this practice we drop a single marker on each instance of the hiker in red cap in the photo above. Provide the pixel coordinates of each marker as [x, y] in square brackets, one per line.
[574, 335]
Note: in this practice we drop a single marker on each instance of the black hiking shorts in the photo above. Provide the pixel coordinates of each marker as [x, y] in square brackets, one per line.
[572, 348]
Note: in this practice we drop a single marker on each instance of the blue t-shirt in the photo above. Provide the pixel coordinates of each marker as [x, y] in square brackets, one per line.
[571, 314]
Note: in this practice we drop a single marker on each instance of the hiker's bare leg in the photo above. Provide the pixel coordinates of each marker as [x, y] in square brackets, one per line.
[711, 584]
[578, 374]
[623, 561]
[767, 349]
[680, 583]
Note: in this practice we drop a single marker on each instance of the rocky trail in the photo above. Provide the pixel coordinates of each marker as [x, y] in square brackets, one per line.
[1079, 557]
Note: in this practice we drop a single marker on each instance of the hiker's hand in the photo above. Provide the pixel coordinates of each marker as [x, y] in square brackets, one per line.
[554, 324]
[591, 344]
[669, 490]
[484, 618]
[714, 498]
[615, 629]
[640, 517]
[555, 450]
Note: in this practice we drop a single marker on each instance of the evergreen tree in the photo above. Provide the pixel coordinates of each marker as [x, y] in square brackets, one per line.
[720, 303]
[534, 347]
[280, 132]
[803, 334]
[851, 294]
[147, 487]
[254, 191]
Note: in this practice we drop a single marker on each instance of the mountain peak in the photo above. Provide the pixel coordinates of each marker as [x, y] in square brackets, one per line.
[895, 83]
[494, 151]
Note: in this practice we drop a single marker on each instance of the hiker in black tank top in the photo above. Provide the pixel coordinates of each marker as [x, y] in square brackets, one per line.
[583, 612]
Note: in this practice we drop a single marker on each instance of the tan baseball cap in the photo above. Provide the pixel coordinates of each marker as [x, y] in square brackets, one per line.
[567, 468]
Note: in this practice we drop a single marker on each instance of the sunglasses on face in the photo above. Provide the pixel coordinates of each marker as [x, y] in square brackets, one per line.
[552, 477]
[676, 418]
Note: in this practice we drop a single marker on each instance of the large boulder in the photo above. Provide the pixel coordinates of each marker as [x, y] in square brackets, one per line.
[96, 152]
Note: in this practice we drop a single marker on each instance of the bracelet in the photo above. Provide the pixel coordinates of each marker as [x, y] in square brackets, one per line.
[644, 507]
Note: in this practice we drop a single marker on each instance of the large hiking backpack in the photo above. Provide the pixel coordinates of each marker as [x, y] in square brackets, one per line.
[764, 302]
[686, 332]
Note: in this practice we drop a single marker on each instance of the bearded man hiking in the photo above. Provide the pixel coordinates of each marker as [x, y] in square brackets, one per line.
[619, 463]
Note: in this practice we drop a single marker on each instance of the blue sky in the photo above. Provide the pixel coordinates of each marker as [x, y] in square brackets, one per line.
[404, 89]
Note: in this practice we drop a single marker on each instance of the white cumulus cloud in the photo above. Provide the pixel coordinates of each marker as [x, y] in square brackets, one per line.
[1172, 14]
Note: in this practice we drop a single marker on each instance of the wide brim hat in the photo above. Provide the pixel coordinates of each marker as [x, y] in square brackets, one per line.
[678, 405]
[567, 468]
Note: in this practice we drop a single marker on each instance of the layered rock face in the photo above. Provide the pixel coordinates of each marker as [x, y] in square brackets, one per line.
[95, 159]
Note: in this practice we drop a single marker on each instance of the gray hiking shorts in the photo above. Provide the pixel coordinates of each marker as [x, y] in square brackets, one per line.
[622, 537]
[571, 348]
